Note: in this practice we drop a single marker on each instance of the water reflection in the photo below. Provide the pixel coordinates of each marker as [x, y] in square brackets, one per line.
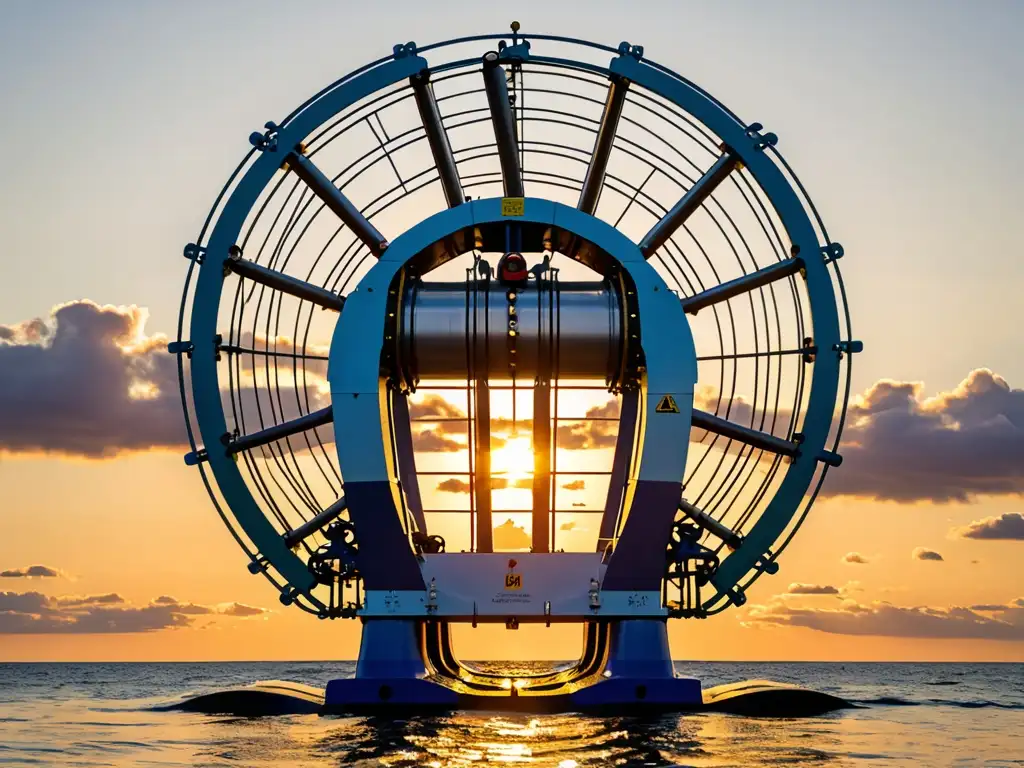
[568, 741]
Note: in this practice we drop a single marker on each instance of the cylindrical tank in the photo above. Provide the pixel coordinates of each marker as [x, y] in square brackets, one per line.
[541, 328]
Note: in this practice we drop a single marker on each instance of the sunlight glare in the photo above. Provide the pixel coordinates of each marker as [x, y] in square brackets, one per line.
[514, 459]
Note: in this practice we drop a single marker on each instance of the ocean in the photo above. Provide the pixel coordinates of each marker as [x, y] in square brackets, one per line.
[908, 714]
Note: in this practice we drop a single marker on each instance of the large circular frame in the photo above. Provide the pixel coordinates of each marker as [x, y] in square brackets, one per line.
[775, 359]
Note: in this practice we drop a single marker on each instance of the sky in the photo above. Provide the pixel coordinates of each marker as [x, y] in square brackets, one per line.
[124, 119]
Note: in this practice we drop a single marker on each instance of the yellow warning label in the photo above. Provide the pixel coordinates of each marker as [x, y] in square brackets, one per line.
[513, 581]
[667, 404]
[513, 206]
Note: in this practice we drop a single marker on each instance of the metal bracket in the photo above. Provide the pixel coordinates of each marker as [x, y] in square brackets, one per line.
[832, 252]
[181, 348]
[761, 140]
[516, 52]
[403, 51]
[636, 51]
[850, 347]
[195, 458]
[765, 564]
[196, 253]
[265, 142]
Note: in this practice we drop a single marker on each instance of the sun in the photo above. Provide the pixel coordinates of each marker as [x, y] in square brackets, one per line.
[514, 459]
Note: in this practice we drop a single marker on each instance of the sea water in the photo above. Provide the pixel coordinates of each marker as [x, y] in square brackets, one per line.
[909, 714]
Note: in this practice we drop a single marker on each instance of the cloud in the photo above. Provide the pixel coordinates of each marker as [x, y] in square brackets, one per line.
[32, 572]
[797, 588]
[567, 526]
[75, 601]
[584, 435]
[433, 407]
[1006, 622]
[88, 382]
[900, 446]
[458, 485]
[241, 610]
[1007, 527]
[35, 613]
[432, 441]
[575, 485]
[508, 535]
[453, 485]
[920, 553]
[855, 558]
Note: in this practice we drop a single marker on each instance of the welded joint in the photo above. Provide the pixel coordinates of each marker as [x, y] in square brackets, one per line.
[196, 253]
[760, 140]
[266, 141]
[635, 51]
[404, 50]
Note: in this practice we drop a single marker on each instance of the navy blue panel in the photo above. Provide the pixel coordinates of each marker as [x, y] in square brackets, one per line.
[371, 506]
[638, 562]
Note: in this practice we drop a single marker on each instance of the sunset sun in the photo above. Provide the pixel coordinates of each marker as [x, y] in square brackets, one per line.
[514, 459]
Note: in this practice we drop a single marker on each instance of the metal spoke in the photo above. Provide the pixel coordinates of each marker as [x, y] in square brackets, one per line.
[314, 524]
[279, 431]
[778, 271]
[732, 539]
[437, 138]
[504, 125]
[594, 180]
[279, 281]
[333, 198]
[733, 431]
[688, 203]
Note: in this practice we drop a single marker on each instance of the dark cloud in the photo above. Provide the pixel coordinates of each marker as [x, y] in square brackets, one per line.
[96, 386]
[583, 435]
[453, 485]
[920, 553]
[1006, 622]
[241, 610]
[508, 535]
[575, 485]
[899, 446]
[1007, 527]
[796, 588]
[433, 407]
[458, 485]
[73, 601]
[856, 558]
[35, 613]
[431, 440]
[31, 572]
[93, 387]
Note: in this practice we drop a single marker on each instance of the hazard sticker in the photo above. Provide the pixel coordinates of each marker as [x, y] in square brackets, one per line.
[513, 206]
[667, 404]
